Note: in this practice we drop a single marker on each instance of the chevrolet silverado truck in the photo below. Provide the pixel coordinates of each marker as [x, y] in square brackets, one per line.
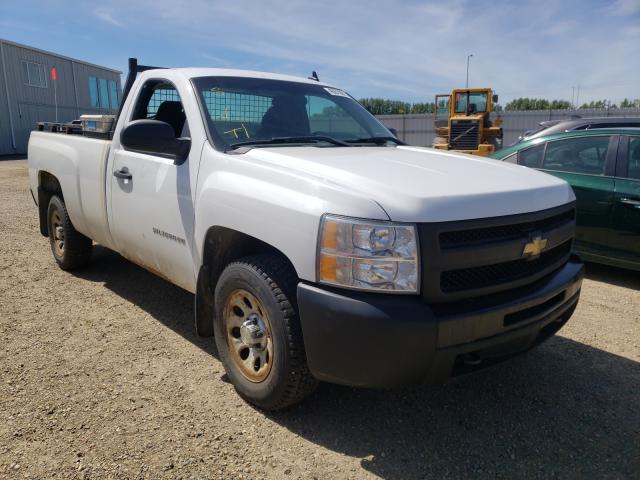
[317, 245]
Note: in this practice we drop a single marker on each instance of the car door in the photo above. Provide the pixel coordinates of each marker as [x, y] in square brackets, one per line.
[152, 197]
[585, 163]
[625, 228]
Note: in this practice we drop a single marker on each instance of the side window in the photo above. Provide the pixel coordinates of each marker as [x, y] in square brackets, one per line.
[585, 155]
[326, 116]
[160, 100]
[634, 157]
[531, 157]
[161, 94]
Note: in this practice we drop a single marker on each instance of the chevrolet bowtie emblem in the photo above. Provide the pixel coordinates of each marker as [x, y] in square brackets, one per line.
[534, 248]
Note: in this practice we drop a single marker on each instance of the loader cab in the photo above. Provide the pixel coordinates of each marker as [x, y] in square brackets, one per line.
[471, 102]
[462, 121]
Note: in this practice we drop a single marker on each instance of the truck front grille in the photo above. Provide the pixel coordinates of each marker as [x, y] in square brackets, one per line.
[464, 135]
[501, 273]
[472, 258]
[462, 238]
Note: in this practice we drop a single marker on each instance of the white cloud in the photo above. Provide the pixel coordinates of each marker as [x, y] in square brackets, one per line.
[107, 17]
[407, 49]
[624, 7]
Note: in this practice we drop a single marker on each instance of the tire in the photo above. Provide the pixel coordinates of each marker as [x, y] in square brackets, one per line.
[261, 291]
[70, 248]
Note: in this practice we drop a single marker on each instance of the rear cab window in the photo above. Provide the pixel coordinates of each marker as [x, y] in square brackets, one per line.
[159, 100]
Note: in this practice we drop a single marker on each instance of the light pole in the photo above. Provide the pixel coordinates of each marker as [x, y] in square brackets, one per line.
[468, 58]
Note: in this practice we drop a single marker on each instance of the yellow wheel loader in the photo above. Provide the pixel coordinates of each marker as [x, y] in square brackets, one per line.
[462, 122]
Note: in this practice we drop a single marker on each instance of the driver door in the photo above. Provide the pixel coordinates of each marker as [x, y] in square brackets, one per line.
[152, 197]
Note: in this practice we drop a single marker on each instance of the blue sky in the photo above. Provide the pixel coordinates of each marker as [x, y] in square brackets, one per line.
[406, 50]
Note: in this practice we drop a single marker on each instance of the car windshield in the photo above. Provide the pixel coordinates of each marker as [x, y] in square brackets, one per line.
[471, 102]
[257, 112]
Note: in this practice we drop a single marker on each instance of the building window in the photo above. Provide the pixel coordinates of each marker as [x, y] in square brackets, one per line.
[93, 92]
[113, 94]
[103, 93]
[34, 74]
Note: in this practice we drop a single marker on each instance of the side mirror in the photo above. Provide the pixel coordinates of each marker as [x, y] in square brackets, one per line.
[494, 98]
[155, 137]
[393, 131]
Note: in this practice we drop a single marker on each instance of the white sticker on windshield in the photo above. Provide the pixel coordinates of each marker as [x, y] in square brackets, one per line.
[336, 91]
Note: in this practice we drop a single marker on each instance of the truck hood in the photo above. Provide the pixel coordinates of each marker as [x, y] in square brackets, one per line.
[415, 184]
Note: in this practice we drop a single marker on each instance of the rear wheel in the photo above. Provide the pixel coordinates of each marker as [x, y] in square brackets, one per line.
[258, 333]
[70, 248]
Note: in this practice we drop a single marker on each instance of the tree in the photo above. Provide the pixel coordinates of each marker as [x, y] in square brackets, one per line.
[627, 103]
[523, 104]
[381, 106]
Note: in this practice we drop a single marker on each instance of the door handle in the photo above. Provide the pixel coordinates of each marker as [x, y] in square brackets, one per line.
[630, 201]
[123, 173]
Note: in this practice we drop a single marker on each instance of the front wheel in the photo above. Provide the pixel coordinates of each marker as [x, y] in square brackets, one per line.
[258, 334]
[70, 248]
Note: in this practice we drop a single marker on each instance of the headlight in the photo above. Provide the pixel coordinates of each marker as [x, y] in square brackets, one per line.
[368, 255]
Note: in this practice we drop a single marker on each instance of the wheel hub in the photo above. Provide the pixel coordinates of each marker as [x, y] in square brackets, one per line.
[248, 332]
[253, 332]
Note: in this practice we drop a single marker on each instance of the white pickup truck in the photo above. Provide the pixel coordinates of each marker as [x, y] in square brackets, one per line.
[318, 246]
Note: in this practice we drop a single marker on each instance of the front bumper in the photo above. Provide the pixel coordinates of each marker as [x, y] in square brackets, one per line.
[380, 340]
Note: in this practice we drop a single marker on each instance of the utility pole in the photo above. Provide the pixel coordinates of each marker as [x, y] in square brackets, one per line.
[573, 96]
[468, 58]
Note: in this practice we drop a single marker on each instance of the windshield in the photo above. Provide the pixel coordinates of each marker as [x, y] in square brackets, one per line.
[471, 102]
[241, 110]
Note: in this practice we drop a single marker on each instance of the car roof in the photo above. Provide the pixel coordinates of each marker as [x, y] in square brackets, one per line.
[559, 135]
[553, 126]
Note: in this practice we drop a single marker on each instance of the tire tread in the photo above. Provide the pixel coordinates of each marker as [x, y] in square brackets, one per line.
[276, 273]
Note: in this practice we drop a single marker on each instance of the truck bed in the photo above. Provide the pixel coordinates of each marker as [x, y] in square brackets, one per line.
[79, 163]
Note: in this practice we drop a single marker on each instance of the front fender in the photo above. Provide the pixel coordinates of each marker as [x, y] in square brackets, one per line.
[276, 205]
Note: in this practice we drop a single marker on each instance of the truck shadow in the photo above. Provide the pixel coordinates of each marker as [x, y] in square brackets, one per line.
[170, 305]
[563, 410]
[615, 276]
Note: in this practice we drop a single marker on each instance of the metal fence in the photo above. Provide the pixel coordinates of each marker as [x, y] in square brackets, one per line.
[417, 129]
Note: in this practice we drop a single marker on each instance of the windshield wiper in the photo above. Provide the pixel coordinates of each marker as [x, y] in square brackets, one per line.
[377, 140]
[284, 140]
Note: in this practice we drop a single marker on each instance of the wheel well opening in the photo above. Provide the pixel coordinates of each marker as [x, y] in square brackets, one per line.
[48, 185]
[222, 246]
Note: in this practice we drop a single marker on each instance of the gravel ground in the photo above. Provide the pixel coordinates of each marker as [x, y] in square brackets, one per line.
[103, 377]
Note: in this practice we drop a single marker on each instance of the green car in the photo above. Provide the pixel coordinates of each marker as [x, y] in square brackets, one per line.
[603, 167]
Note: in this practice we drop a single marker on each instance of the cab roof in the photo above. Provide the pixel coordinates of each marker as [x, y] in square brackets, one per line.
[190, 73]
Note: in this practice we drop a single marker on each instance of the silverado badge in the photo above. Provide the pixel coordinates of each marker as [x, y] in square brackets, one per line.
[534, 248]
